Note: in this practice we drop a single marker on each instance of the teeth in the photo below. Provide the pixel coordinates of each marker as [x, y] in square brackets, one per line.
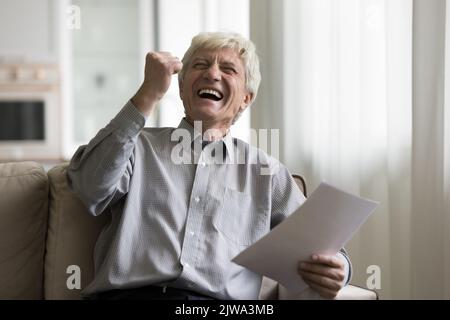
[211, 91]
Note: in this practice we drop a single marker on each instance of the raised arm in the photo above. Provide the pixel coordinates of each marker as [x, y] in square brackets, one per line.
[100, 172]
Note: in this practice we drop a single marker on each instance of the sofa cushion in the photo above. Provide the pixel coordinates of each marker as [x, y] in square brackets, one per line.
[23, 225]
[72, 234]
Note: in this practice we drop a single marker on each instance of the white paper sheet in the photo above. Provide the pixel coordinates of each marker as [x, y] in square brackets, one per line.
[322, 224]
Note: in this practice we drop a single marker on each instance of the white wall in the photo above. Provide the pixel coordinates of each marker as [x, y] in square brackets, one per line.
[105, 63]
[28, 31]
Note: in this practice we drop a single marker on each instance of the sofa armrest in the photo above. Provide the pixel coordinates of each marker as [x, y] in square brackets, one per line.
[272, 290]
[269, 289]
[352, 292]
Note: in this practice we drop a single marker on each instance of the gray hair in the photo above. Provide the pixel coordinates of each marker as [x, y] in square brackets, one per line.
[220, 40]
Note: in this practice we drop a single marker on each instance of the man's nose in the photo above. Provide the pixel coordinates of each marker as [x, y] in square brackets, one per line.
[213, 73]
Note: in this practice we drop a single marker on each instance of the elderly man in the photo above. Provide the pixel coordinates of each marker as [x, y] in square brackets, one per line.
[176, 225]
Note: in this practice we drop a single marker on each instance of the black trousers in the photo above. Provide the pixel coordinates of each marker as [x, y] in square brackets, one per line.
[149, 293]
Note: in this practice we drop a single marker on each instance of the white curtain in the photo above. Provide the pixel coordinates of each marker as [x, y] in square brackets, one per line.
[356, 89]
[430, 232]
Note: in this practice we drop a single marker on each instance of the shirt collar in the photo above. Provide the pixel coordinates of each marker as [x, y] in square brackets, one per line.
[194, 134]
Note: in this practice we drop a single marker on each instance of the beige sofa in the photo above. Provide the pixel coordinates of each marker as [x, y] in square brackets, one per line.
[46, 234]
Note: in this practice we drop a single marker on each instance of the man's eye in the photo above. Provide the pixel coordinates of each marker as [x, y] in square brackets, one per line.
[200, 65]
[229, 70]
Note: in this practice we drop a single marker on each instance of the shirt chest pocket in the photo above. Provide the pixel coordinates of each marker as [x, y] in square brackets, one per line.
[240, 219]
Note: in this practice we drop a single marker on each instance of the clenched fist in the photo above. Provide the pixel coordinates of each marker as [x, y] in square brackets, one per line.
[159, 68]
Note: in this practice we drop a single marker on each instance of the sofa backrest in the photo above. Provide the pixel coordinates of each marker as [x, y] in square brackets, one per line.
[71, 238]
[23, 226]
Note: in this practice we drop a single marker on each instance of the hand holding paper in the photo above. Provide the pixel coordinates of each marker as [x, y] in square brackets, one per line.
[322, 224]
[325, 274]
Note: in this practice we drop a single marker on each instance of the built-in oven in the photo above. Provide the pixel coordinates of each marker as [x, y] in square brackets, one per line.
[30, 117]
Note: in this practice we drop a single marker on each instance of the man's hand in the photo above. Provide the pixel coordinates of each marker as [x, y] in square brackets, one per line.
[159, 68]
[324, 274]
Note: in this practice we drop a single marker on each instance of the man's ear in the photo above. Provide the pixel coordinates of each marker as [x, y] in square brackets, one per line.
[248, 98]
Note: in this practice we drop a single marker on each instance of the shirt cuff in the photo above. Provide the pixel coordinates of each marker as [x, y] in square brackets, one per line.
[347, 267]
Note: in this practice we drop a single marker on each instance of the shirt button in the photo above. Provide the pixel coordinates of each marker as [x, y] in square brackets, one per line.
[202, 164]
[197, 199]
[192, 233]
[186, 265]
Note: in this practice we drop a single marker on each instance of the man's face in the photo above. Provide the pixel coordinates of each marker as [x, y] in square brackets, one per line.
[213, 89]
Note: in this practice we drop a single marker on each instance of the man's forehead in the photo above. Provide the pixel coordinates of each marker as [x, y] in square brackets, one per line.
[226, 53]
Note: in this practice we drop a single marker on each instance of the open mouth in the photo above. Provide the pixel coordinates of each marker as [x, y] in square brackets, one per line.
[211, 94]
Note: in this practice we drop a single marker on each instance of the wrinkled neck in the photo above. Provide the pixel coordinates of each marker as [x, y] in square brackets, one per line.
[211, 131]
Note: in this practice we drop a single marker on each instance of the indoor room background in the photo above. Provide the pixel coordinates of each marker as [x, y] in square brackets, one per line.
[358, 89]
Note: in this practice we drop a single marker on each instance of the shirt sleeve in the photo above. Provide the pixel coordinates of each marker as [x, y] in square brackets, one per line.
[100, 171]
[347, 265]
[286, 195]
